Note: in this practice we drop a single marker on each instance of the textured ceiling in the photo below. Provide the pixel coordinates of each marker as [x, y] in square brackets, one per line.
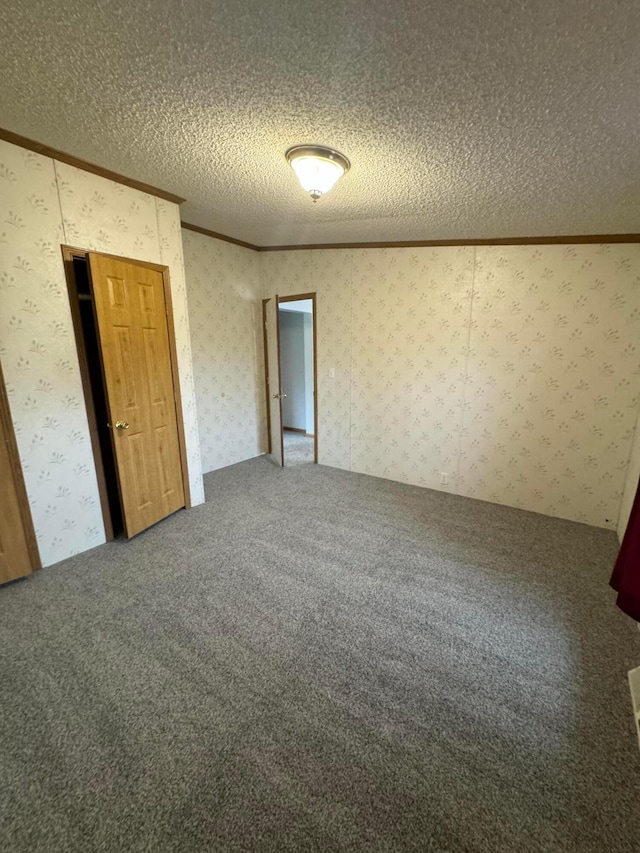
[461, 119]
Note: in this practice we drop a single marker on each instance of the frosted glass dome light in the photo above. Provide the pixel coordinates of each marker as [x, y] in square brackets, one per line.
[318, 168]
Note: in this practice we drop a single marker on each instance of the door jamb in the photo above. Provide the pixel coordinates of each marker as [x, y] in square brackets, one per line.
[266, 370]
[312, 297]
[18, 477]
[68, 254]
[279, 380]
[266, 377]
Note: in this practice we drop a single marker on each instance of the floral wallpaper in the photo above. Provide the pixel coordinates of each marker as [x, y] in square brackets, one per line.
[411, 314]
[44, 204]
[40, 362]
[104, 216]
[510, 374]
[330, 274]
[553, 379]
[631, 484]
[170, 236]
[225, 305]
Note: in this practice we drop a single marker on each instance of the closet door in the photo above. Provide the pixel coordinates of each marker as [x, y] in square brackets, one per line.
[131, 318]
[18, 551]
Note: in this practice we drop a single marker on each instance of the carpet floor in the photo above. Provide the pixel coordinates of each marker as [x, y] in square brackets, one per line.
[298, 448]
[317, 660]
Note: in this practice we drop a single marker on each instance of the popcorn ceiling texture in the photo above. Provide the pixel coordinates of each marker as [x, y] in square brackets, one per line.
[462, 120]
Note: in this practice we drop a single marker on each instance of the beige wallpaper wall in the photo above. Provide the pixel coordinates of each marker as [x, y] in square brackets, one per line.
[42, 205]
[410, 328]
[225, 308]
[171, 255]
[553, 387]
[515, 372]
[631, 484]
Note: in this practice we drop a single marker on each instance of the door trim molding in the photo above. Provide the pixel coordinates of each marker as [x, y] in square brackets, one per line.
[216, 236]
[312, 297]
[78, 163]
[551, 240]
[266, 370]
[68, 254]
[279, 378]
[18, 477]
[177, 393]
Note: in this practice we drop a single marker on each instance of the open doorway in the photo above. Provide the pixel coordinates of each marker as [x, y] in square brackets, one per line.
[295, 319]
[291, 378]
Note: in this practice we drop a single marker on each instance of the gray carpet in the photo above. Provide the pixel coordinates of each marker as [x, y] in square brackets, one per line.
[298, 448]
[315, 661]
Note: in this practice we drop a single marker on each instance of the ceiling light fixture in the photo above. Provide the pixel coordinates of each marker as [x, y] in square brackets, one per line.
[317, 167]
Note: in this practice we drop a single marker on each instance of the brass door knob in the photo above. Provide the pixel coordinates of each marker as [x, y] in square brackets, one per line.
[122, 425]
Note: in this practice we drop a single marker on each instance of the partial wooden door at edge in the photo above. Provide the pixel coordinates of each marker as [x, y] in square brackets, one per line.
[134, 341]
[15, 558]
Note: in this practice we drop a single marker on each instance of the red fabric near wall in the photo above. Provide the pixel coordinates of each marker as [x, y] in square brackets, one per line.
[626, 574]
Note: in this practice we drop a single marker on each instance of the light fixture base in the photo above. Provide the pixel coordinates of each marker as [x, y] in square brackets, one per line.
[317, 167]
[322, 152]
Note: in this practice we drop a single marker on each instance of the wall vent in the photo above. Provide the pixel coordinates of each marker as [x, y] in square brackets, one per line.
[634, 684]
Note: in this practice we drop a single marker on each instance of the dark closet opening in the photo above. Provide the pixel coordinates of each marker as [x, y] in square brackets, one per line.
[95, 395]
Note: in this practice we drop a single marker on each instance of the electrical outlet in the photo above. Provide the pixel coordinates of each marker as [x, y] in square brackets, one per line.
[444, 478]
[332, 373]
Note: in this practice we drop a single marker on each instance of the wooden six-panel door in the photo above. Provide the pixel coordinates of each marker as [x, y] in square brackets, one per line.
[132, 327]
